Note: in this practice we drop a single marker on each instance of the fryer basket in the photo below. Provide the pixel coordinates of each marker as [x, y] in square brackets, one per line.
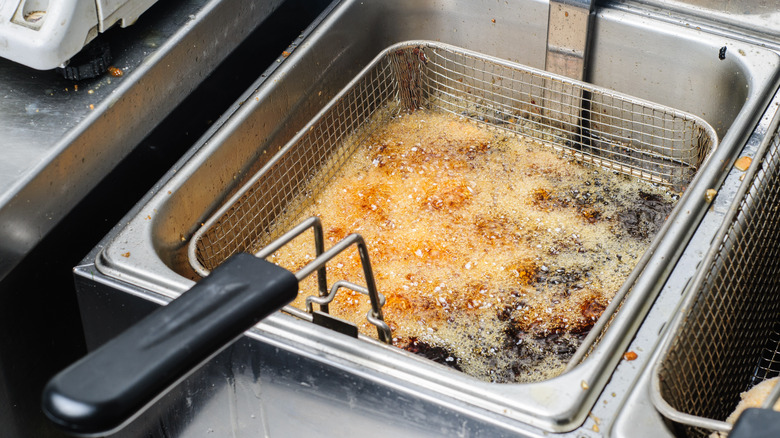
[596, 125]
[727, 337]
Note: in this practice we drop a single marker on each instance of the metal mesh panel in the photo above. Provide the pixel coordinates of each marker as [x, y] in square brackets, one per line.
[729, 340]
[287, 183]
[630, 136]
[648, 141]
[769, 359]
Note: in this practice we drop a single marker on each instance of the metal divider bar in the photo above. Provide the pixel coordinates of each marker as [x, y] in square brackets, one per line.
[568, 36]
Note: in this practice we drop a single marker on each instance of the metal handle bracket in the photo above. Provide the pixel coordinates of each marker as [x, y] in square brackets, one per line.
[568, 37]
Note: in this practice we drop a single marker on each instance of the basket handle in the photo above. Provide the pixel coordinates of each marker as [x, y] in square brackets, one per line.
[113, 384]
[757, 423]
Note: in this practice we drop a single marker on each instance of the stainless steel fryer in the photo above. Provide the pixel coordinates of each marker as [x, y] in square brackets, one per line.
[146, 255]
[627, 135]
[610, 129]
[726, 339]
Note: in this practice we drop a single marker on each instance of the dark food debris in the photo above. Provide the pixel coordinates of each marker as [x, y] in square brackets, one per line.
[436, 354]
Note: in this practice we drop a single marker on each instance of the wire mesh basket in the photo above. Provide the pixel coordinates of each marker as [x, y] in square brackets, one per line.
[727, 339]
[627, 135]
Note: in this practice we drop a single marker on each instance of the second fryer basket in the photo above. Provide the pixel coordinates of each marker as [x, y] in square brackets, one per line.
[727, 338]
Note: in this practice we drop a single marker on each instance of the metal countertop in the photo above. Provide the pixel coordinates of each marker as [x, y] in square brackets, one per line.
[60, 138]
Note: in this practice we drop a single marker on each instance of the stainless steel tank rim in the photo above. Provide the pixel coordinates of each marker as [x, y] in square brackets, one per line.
[395, 370]
[701, 19]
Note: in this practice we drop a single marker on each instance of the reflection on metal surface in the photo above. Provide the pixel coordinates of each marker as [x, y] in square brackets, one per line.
[756, 19]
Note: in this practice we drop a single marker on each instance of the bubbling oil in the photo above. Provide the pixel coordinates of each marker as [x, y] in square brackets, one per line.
[493, 251]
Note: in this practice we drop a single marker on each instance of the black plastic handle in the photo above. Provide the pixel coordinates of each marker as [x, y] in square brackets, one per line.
[108, 387]
[757, 423]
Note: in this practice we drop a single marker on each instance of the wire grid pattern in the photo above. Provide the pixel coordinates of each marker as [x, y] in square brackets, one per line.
[641, 139]
[769, 359]
[280, 191]
[644, 140]
[729, 339]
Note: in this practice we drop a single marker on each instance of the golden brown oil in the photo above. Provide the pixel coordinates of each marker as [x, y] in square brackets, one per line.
[496, 254]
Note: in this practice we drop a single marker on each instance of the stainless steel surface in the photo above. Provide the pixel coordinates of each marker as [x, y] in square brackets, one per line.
[568, 37]
[759, 19]
[61, 138]
[632, 53]
[623, 409]
[725, 339]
